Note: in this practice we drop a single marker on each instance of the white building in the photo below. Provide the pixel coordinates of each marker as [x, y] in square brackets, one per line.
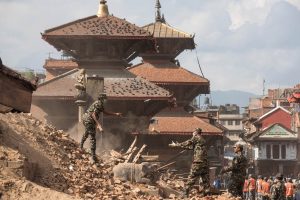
[233, 122]
[275, 150]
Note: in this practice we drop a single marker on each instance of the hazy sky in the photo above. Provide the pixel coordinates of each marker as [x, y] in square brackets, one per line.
[239, 42]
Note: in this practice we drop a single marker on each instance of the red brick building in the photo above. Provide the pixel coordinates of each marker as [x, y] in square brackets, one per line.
[279, 114]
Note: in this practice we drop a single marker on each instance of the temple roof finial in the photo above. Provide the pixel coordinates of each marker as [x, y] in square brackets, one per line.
[103, 9]
[158, 14]
[163, 19]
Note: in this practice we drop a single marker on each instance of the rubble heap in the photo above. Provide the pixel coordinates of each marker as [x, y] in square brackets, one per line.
[61, 164]
[38, 161]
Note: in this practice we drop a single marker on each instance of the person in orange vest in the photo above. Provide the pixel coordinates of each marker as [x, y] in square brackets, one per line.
[259, 187]
[266, 189]
[251, 187]
[245, 189]
[289, 189]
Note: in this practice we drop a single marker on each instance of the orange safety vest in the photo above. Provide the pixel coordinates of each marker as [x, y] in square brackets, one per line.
[259, 185]
[289, 189]
[245, 188]
[252, 184]
[266, 187]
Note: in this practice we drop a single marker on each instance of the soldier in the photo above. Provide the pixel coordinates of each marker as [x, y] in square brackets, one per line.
[278, 188]
[91, 120]
[238, 169]
[199, 166]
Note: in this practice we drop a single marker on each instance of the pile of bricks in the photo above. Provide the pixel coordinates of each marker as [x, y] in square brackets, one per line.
[72, 171]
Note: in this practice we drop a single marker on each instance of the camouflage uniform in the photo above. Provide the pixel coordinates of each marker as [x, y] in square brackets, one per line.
[238, 175]
[90, 125]
[278, 190]
[200, 166]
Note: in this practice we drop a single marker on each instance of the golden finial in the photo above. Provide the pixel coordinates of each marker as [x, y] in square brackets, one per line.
[103, 9]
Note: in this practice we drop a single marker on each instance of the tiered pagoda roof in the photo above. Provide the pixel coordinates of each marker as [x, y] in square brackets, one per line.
[179, 122]
[163, 30]
[108, 27]
[100, 36]
[166, 72]
[60, 64]
[126, 87]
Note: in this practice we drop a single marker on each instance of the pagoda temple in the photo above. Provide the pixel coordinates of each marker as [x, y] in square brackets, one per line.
[161, 67]
[101, 47]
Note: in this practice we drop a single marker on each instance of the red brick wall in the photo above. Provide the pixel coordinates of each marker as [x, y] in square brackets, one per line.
[279, 116]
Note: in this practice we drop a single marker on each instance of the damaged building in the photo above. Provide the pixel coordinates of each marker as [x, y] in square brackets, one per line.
[162, 68]
[16, 91]
[151, 95]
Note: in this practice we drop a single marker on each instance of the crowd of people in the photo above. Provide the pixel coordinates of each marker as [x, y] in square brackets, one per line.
[273, 188]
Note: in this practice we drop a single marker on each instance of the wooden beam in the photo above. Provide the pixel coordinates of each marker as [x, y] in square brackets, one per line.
[138, 155]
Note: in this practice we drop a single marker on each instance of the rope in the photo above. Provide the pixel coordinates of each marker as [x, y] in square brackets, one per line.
[199, 62]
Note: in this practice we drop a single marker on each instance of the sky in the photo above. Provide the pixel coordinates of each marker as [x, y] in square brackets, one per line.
[240, 43]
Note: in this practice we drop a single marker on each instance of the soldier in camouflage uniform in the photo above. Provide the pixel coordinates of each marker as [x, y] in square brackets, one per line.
[200, 166]
[91, 120]
[238, 172]
[278, 188]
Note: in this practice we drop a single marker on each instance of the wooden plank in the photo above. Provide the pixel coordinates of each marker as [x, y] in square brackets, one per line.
[152, 158]
[167, 165]
[132, 146]
[129, 157]
[137, 157]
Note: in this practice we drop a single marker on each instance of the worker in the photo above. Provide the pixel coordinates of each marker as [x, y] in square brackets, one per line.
[259, 187]
[252, 187]
[266, 189]
[200, 166]
[289, 194]
[91, 121]
[245, 189]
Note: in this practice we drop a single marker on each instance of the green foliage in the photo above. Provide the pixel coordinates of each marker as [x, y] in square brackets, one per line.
[28, 74]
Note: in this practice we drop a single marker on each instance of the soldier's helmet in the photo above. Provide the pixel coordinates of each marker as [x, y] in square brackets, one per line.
[238, 146]
[102, 96]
